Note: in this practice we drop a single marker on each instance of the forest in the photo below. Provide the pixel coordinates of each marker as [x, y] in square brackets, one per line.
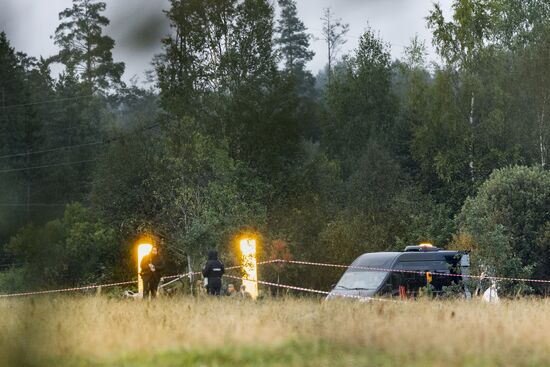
[235, 135]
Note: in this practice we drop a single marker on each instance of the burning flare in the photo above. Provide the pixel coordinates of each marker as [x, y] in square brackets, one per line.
[248, 251]
[143, 250]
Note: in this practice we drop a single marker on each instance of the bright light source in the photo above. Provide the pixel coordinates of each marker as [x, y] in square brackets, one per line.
[143, 250]
[426, 244]
[248, 251]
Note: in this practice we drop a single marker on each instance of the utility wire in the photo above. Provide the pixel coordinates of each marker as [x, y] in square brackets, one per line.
[48, 128]
[108, 141]
[51, 150]
[47, 166]
[25, 205]
[47, 101]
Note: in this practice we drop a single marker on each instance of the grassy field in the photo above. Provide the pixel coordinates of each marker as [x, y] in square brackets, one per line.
[97, 331]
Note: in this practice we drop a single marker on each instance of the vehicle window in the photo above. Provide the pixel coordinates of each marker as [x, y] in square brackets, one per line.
[440, 266]
[413, 282]
[382, 260]
[353, 279]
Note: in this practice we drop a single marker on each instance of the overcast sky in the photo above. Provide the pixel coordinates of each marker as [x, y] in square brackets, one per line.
[138, 25]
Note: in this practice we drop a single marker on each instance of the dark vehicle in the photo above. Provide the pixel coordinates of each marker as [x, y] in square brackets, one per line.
[403, 274]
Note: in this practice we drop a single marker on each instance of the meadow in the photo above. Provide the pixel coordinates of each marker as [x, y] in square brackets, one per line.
[99, 331]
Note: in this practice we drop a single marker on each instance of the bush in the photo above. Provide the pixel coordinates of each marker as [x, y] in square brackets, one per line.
[508, 220]
[75, 249]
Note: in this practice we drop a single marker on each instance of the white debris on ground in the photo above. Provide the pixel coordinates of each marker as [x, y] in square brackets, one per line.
[491, 295]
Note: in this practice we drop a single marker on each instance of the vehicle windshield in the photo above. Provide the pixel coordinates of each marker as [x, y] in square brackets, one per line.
[368, 280]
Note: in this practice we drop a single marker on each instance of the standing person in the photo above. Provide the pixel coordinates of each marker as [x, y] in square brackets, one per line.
[151, 268]
[212, 272]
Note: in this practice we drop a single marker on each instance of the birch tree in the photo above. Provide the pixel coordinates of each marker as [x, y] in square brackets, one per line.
[459, 42]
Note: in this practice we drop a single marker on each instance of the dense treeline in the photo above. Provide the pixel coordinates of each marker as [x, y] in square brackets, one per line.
[238, 136]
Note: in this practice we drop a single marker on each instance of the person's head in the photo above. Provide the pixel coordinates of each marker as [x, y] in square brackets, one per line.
[243, 288]
[154, 251]
[212, 255]
[230, 288]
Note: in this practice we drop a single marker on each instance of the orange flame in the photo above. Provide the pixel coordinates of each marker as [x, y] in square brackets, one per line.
[248, 251]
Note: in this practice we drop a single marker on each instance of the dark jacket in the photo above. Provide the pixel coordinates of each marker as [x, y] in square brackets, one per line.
[214, 268]
[156, 261]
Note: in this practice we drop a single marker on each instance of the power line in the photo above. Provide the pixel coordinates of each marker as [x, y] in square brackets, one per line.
[109, 141]
[51, 150]
[47, 166]
[36, 204]
[46, 128]
[47, 101]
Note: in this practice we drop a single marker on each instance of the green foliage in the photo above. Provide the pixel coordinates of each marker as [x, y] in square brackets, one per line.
[224, 76]
[508, 219]
[421, 219]
[75, 249]
[530, 96]
[519, 23]
[441, 143]
[464, 37]
[209, 197]
[23, 81]
[218, 47]
[185, 188]
[85, 51]
[360, 105]
[293, 39]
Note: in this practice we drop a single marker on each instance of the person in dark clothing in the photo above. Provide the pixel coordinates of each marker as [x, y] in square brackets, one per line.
[213, 271]
[151, 272]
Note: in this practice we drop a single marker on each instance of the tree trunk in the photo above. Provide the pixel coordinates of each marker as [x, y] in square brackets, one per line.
[328, 36]
[278, 277]
[28, 201]
[329, 58]
[542, 146]
[472, 136]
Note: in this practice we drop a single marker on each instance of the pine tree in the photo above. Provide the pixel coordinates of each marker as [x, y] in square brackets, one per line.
[12, 92]
[293, 39]
[196, 57]
[360, 105]
[84, 48]
[22, 82]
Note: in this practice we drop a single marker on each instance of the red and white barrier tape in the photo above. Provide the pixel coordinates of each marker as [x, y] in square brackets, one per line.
[309, 290]
[280, 285]
[200, 272]
[410, 271]
[228, 268]
[73, 289]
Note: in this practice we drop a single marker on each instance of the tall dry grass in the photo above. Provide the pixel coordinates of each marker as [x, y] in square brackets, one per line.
[452, 332]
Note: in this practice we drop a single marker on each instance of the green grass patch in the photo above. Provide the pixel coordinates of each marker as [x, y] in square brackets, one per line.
[294, 354]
